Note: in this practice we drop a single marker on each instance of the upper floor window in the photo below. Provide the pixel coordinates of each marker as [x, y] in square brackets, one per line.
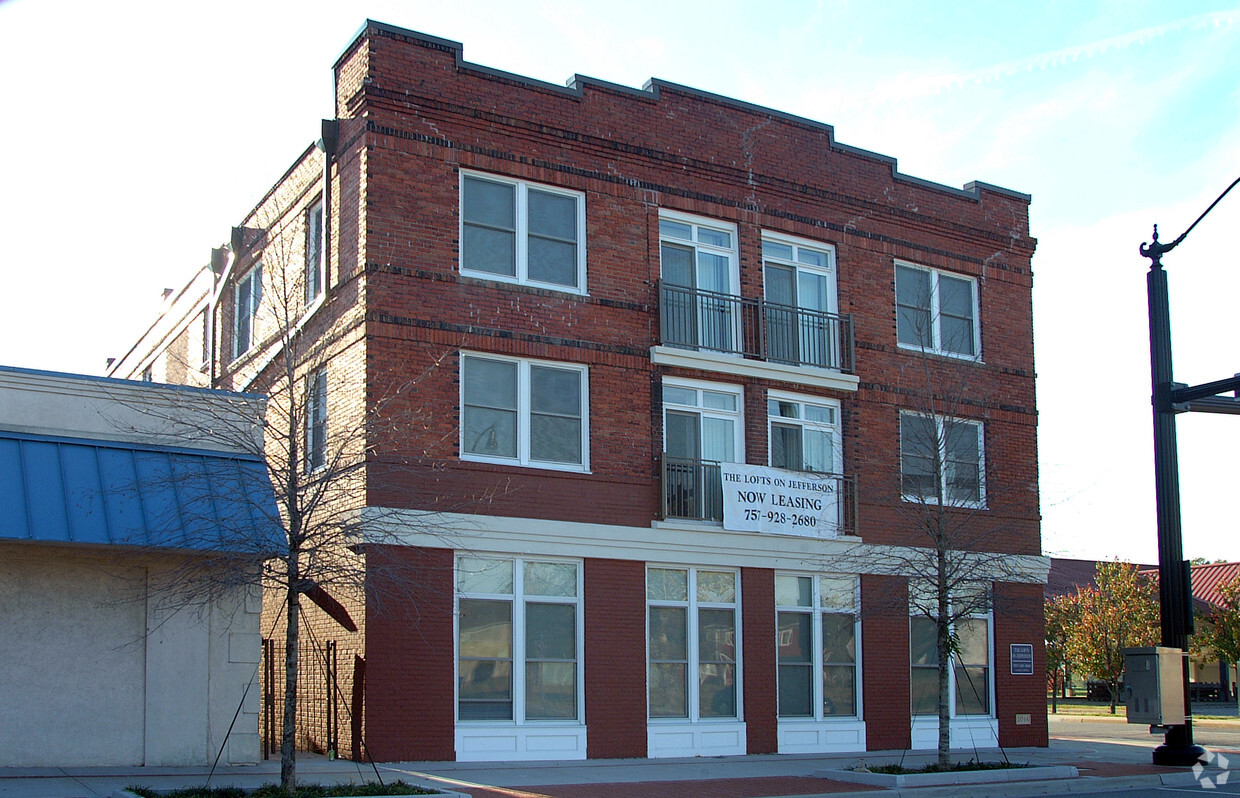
[527, 412]
[316, 421]
[699, 265]
[519, 640]
[314, 252]
[799, 280]
[942, 460]
[936, 311]
[804, 433]
[246, 298]
[521, 232]
[817, 627]
[702, 421]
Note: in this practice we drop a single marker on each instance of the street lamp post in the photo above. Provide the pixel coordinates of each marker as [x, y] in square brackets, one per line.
[1170, 398]
[1173, 588]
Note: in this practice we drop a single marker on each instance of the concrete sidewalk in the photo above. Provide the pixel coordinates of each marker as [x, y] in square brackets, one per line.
[1102, 765]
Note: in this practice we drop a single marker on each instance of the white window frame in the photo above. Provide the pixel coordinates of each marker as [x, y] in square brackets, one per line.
[316, 421]
[697, 226]
[816, 611]
[981, 615]
[941, 442]
[828, 271]
[523, 411]
[937, 346]
[313, 273]
[518, 599]
[522, 234]
[698, 386]
[835, 428]
[251, 285]
[693, 606]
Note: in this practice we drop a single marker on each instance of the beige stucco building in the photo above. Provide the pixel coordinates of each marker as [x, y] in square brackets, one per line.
[108, 491]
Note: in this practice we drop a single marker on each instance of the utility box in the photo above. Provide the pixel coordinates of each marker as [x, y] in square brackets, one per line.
[1154, 685]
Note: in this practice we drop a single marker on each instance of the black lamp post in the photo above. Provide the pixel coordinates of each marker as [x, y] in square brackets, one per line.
[1170, 398]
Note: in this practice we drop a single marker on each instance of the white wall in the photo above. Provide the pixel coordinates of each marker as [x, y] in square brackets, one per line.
[94, 672]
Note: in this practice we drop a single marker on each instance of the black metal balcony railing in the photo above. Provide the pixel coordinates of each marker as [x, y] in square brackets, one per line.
[754, 328]
[693, 490]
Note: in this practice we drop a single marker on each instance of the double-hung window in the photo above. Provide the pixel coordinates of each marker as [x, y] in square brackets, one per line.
[692, 648]
[521, 232]
[799, 279]
[518, 640]
[702, 427]
[527, 412]
[817, 625]
[700, 306]
[316, 420]
[942, 460]
[313, 274]
[969, 679]
[804, 433]
[936, 311]
[246, 298]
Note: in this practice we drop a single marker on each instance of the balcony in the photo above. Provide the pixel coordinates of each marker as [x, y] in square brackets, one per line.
[754, 329]
[693, 490]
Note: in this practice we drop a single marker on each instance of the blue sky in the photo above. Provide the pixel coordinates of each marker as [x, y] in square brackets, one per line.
[136, 134]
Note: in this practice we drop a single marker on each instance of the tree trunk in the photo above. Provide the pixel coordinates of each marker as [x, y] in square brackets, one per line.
[288, 738]
[1113, 687]
[1055, 693]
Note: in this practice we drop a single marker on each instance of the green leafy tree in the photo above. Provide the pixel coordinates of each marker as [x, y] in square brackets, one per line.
[1062, 617]
[1219, 631]
[1121, 612]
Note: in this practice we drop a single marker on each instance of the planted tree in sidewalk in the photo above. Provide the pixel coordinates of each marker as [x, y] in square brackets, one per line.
[954, 548]
[329, 437]
[1120, 611]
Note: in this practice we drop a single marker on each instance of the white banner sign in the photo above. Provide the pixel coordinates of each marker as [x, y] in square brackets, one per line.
[762, 499]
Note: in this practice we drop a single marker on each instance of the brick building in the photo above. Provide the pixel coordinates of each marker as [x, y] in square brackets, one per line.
[603, 305]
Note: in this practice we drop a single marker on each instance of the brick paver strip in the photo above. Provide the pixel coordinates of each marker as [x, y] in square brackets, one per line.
[706, 788]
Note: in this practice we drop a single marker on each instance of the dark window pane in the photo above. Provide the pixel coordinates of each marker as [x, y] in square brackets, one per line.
[716, 636]
[486, 628]
[552, 261]
[551, 631]
[924, 688]
[795, 691]
[668, 635]
[553, 215]
[556, 391]
[972, 690]
[786, 447]
[838, 643]
[717, 691]
[922, 647]
[668, 690]
[839, 691]
[555, 440]
[491, 433]
[550, 690]
[678, 265]
[489, 203]
[487, 250]
[796, 642]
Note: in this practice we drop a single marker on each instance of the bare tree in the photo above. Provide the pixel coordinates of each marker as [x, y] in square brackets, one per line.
[953, 546]
[330, 437]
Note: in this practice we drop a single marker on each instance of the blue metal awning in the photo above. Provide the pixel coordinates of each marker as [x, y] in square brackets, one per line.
[103, 492]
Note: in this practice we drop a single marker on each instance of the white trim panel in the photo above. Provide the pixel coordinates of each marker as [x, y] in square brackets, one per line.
[968, 731]
[821, 736]
[483, 742]
[707, 738]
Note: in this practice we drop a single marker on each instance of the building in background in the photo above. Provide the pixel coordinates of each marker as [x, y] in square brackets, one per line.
[666, 353]
[111, 495]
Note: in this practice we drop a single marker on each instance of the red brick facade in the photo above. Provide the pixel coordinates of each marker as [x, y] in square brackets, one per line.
[402, 311]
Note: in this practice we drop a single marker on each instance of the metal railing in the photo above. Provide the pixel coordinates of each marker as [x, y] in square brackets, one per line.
[754, 328]
[693, 490]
